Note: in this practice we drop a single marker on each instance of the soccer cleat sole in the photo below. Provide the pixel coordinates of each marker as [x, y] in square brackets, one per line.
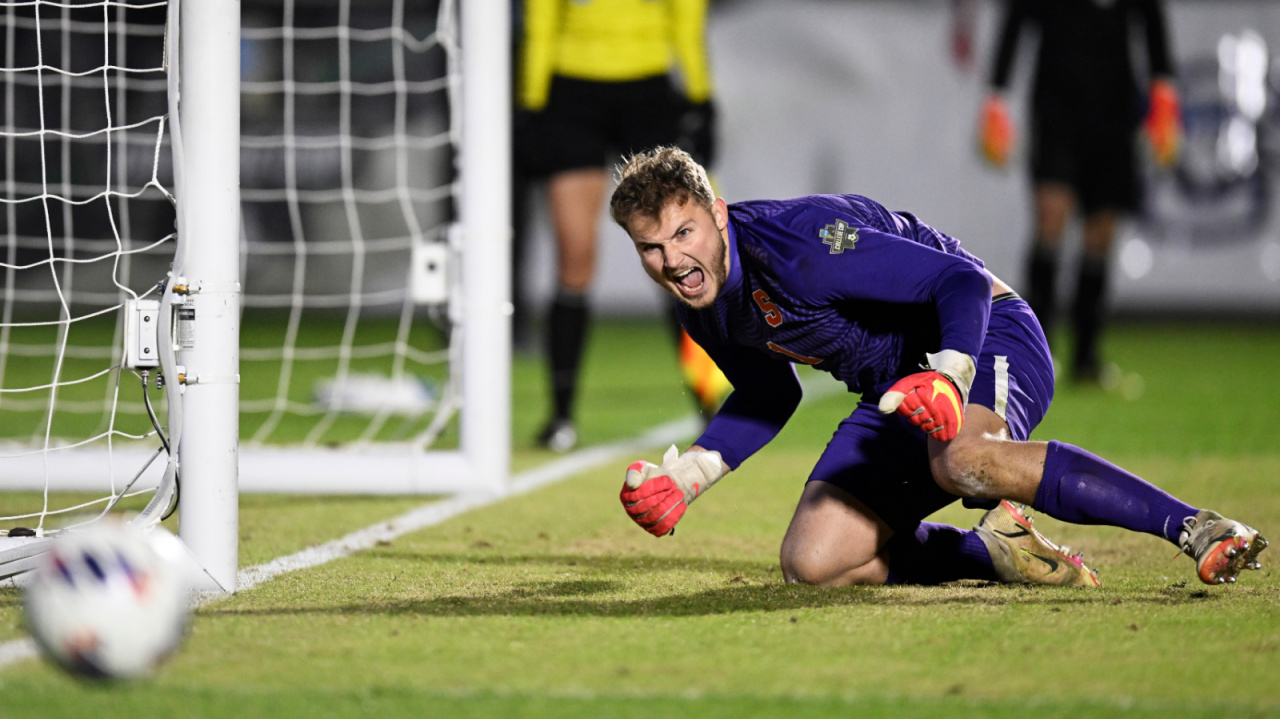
[1232, 555]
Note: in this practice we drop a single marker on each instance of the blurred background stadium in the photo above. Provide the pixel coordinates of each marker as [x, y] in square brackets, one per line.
[871, 97]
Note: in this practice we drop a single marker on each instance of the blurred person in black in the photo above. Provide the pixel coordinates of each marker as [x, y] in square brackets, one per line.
[598, 80]
[1086, 105]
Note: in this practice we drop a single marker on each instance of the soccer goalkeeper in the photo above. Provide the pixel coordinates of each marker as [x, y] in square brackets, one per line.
[954, 374]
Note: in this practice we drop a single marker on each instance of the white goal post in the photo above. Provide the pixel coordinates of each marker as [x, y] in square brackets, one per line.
[207, 174]
[205, 295]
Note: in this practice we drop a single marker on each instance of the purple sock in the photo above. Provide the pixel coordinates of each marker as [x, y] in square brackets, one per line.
[937, 553]
[1080, 487]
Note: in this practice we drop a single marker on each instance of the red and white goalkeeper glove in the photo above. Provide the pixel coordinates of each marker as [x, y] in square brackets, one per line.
[657, 496]
[934, 400]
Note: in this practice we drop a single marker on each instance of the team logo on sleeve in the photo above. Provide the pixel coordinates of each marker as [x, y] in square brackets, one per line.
[840, 235]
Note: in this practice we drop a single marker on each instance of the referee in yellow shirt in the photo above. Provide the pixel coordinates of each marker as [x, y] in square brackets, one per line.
[600, 79]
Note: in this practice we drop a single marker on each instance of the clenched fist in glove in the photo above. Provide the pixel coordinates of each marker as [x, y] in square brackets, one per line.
[934, 400]
[656, 496]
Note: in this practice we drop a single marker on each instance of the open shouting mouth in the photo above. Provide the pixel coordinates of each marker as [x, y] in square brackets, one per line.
[691, 281]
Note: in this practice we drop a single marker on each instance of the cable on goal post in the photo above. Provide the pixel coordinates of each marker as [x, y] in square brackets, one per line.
[151, 345]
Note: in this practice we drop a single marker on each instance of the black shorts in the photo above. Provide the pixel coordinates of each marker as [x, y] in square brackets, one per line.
[1094, 153]
[589, 124]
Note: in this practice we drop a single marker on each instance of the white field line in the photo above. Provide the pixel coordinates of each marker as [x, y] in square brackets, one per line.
[437, 512]
[15, 650]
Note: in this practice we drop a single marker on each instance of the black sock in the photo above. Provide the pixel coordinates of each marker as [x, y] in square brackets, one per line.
[566, 332]
[1042, 287]
[1088, 312]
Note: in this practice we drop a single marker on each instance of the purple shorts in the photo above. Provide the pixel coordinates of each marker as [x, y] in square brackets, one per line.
[883, 460]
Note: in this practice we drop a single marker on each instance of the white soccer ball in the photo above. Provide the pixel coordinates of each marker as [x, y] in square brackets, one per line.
[105, 604]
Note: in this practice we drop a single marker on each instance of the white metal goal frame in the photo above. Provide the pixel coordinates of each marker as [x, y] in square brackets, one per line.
[204, 416]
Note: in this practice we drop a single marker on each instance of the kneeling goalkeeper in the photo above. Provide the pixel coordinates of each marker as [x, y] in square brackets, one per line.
[953, 370]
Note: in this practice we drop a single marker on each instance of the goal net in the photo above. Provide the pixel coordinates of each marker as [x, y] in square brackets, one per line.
[347, 333]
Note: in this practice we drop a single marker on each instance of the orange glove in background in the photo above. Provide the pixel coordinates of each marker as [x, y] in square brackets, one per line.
[995, 131]
[1163, 125]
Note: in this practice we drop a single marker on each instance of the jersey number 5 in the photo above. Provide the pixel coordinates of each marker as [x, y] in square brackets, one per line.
[772, 314]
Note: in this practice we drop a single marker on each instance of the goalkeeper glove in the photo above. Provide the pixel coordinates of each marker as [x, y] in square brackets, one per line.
[657, 496]
[995, 131]
[1163, 125]
[934, 400]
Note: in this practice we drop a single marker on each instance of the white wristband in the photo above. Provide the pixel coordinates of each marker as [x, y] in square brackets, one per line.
[694, 471]
[958, 367]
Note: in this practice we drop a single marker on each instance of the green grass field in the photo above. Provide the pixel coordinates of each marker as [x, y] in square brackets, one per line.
[555, 604]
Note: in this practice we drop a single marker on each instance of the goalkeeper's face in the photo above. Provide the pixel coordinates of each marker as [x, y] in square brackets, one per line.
[685, 249]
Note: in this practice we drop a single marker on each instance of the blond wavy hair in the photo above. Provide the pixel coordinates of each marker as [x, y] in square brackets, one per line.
[648, 181]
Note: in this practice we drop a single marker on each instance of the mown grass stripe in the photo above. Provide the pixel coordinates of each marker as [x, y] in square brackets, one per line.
[425, 516]
[437, 512]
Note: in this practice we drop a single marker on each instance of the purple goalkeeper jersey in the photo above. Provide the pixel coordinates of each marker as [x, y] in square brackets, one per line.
[837, 282]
